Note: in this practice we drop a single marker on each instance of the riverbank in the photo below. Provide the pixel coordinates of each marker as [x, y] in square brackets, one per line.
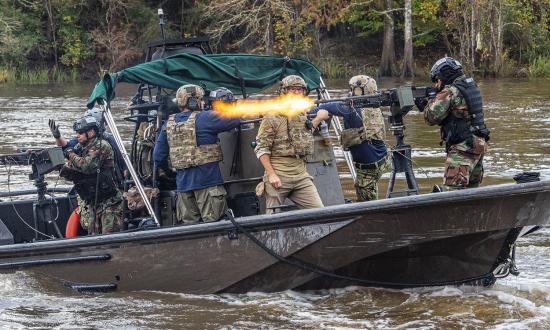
[332, 67]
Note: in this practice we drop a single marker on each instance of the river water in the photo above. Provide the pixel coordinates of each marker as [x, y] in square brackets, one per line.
[518, 113]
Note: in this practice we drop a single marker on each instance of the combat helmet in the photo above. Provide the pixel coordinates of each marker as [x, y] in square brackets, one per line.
[367, 84]
[446, 69]
[86, 123]
[190, 96]
[97, 113]
[223, 94]
[293, 81]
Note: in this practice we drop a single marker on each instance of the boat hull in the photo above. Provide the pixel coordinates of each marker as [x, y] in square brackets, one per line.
[446, 238]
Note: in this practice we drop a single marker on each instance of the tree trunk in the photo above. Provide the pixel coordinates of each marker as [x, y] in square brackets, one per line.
[408, 61]
[268, 36]
[52, 31]
[500, 31]
[387, 64]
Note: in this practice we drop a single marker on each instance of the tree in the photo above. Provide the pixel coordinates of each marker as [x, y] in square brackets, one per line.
[243, 22]
[387, 62]
[408, 60]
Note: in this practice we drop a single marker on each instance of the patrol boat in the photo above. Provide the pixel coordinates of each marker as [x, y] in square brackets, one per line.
[407, 240]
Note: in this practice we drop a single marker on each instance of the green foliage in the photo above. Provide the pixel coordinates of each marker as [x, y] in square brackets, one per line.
[365, 15]
[74, 43]
[20, 36]
[540, 67]
[426, 22]
[291, 37]
[7, 75]
[86, 35]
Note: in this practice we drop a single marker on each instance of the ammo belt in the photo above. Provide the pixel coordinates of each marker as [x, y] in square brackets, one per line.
[377, 164]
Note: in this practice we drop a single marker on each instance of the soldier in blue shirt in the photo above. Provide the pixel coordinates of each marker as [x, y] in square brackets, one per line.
[189, 139]
[363, 136]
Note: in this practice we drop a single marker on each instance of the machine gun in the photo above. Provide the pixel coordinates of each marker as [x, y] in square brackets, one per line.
[400, 100]
[43, 161]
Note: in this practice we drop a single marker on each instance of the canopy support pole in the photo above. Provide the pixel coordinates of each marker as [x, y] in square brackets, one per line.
[337, 129]
[114, 130]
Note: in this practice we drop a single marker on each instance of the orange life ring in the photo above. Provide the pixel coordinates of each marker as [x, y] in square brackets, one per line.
[73, 225]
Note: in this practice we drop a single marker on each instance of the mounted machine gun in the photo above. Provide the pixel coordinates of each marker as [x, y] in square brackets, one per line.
[400, 100]
[43, 161]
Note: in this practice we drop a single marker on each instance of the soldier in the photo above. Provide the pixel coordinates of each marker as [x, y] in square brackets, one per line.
[281, 146]
[363, 136]
[61, 141]
[90, 165]
[190, 140]
[458, 109]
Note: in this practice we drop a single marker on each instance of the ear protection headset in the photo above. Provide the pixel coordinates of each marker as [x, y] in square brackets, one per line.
[193, 102]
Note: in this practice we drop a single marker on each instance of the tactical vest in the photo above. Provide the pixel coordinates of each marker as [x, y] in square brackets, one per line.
[85, 186]
[457, 128]
[373, 129]
[184, 151]
[298, 142]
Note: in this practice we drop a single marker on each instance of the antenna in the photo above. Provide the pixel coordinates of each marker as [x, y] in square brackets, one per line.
[161, 23]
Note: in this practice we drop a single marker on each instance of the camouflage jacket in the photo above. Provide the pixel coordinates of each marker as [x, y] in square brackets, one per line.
[448, 101]
[439, 108]
[96, 154]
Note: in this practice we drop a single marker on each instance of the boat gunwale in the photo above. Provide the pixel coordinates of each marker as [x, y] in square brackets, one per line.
[327, 214]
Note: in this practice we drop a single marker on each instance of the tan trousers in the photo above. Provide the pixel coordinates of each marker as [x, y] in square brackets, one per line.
[300, 190]
[208, 204]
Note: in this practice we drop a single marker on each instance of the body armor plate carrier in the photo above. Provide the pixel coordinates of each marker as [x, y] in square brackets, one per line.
[373, 128]
[456, 129]
[298, 142]
[184, 151]
[85, 186]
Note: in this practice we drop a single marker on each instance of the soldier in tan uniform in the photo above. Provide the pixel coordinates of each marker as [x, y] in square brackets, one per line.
[281, 146]
[363, 136]
[190, 140]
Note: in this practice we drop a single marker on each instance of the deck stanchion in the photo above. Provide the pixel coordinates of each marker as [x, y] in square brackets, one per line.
[114, 130]
[337, 129]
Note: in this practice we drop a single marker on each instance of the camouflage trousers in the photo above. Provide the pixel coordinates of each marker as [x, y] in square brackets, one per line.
[108, 215]
[464, 165]
[208, 204]
[366, 184]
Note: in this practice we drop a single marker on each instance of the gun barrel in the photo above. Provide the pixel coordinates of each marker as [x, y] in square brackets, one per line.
[21, 158]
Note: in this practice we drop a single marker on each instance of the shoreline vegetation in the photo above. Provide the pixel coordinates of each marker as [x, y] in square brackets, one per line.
[74, 40]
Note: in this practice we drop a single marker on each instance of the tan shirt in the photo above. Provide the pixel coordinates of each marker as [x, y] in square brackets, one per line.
[271, 130]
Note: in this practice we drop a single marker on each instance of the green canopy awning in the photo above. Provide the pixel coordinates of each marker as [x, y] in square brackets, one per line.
[233, 71]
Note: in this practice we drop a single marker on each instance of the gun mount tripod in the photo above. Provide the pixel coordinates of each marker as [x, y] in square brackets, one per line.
[401, 158]
[42, 161]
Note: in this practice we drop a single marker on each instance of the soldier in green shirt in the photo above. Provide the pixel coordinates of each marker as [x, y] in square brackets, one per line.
[458, 109]
[90, 166]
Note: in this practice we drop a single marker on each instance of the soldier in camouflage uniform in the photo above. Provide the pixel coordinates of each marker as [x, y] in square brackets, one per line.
[363, 136]
[458, 109]
[190, 140]
[90, 166]
[281, 146]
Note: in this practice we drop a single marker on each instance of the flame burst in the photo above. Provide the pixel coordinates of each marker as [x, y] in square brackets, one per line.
[290, 105]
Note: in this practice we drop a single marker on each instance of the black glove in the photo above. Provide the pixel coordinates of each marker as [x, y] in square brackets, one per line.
[308, 124]
[54, 128]
[421, 103]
